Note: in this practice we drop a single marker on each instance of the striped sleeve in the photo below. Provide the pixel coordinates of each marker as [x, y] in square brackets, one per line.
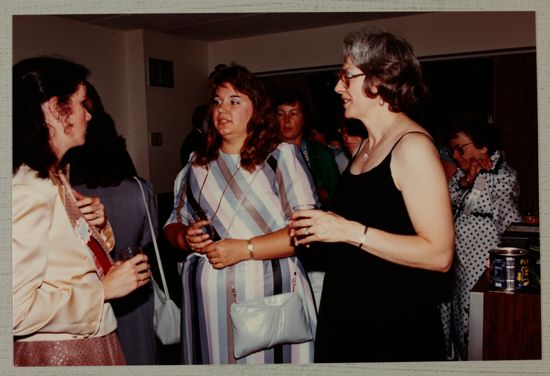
[294, 181]
[179, 210]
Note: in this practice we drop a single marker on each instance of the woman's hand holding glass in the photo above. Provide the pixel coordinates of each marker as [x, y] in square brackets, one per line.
[301, 208]
[477, 165]
[196, 236]
[126, 276]
[307, 226]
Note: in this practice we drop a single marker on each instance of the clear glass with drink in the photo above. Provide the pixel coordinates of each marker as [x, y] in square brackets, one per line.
[202, 216]
[128, 252]
[298, 208]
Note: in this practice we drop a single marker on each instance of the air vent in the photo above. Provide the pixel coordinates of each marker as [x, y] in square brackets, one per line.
[161, 73]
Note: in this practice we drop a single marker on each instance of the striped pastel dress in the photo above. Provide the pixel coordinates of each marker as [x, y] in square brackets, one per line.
[250, 204]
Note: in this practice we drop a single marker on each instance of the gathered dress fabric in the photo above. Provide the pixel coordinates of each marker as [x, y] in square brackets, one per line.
[481, 213]
[59, 313]
[253, 204]
[373, 310]
[126, 212]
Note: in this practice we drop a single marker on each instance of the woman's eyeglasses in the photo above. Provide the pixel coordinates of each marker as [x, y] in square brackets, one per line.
[345, 77]
[458, 149]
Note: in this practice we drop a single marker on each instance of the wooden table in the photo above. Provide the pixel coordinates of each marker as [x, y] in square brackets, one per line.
[504, 325]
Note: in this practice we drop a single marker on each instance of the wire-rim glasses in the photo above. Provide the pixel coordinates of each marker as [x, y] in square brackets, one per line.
[458, 148]
[345, 77]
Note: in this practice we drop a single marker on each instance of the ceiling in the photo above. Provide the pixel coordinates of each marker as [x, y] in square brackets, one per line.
[211, 27]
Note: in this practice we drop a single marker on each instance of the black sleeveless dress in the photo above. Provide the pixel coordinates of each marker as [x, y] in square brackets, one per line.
[373, 310]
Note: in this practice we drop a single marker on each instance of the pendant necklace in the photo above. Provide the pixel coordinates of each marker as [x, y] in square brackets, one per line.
[358, 149]
[223, 192]
[366, 154]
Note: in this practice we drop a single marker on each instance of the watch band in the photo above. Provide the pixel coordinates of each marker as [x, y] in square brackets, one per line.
[250, 248]
[363, 238]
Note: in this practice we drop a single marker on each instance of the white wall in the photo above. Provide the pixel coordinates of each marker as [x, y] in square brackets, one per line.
[169, 109]
[430, 34]
[136, 129]
[118, 62]
[101, 50]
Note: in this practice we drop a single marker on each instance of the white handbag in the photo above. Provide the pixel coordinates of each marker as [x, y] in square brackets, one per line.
[167, 315]
[265, 322]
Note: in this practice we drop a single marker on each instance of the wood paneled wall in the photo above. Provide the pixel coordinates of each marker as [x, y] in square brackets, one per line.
[515, 114]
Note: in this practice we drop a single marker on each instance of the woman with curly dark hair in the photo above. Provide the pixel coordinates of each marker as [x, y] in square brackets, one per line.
[231, 209]
[64, 280]
[391, 218]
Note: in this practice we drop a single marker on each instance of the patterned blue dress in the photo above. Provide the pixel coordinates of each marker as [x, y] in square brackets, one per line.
[250, 204]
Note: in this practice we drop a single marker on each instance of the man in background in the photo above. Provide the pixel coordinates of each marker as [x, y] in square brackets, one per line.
[291, 116]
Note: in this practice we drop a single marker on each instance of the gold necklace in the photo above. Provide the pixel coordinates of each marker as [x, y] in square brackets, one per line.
[366, 153]
[358, 149]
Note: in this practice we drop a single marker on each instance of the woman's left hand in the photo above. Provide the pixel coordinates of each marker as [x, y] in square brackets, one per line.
[485, 162]
[308, 226]
[226, 252]
[92, 209]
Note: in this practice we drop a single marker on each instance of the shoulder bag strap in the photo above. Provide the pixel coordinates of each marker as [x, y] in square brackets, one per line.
[231, 278]
[159, 261]
[195, 205]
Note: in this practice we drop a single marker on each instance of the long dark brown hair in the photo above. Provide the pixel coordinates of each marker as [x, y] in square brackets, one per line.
[262, 129]
[103, 160]
[35, 81]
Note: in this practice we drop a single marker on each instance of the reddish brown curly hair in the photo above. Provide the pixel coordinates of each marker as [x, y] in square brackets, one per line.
[262, 129]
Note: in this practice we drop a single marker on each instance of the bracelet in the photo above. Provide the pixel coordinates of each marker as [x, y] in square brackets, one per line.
[363, 237]
[250, 248]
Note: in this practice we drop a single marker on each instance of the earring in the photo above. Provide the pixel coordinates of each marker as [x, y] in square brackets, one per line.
[381, 102]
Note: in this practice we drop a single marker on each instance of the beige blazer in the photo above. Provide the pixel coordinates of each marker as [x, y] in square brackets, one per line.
[57, 293]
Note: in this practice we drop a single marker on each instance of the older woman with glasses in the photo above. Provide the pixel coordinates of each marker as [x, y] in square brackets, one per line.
[484, 193]
[390, 219]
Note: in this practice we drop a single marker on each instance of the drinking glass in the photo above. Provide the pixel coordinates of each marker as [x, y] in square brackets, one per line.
[202, 216]
[128, 252]
[297, 208]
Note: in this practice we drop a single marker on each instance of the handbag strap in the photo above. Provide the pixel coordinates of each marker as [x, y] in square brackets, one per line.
[159, 261]
[271, 161]
[231, 277]
[197, 208]
[195, 205]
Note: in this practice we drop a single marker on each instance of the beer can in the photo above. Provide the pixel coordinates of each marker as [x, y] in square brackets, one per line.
[509, 268]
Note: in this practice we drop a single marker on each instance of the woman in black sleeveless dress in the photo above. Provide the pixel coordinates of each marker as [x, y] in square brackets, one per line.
[390, 219]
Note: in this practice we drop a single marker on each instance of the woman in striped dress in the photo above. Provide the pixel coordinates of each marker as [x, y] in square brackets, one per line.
[247, 183]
